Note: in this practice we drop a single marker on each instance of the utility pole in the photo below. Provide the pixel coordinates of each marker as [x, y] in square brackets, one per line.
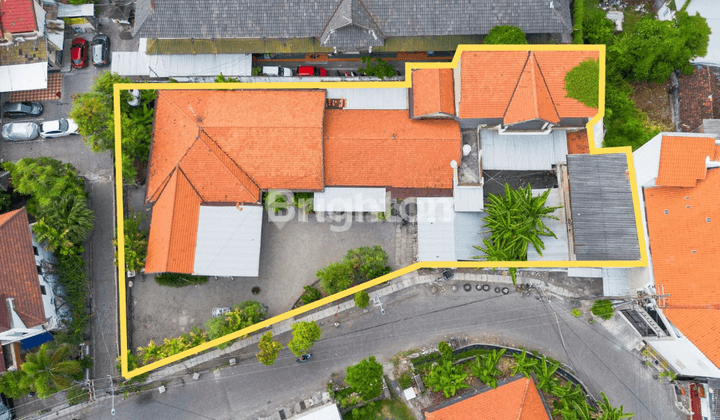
[112, 395]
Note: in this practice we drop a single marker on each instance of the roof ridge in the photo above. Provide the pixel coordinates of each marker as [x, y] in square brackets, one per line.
[547, 88]
[522, 70]
[524, 398]
[229, 163]
[7, 217]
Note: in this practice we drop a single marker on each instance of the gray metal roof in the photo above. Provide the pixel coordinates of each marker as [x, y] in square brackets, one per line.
[615, 282]
[469, 231]
[310, 18]
[711, 127]
[522, 152]
[228, 241]
[555, 249]
[371, 98]
[436, 229]
[350, 27]
[468, 198]
[603, 216]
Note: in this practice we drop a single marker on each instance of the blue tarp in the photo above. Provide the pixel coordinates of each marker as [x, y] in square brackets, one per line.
[36, 340]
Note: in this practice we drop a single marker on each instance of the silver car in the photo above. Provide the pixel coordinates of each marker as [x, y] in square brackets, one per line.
[20, 131]
[58, 128]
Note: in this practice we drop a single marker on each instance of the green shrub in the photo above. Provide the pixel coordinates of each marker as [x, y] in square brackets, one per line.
[133, 363]
[597, 28]
[446, 352]
[241, 316]
[73, 277]
[578, 15]
[13, 384]
[179, 280]
[136, 242]
[603, 309]
[505, 35]
[303, 202]
[365, 378]
[583, 81]
[380, 68]
[405, 380]
[362, 299]
[358, 266]
[576, 313]
[310, 295]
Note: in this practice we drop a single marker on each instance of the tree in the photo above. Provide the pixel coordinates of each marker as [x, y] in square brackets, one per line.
[310, 294]
[92, 111]
[367, 263]
[380, 68]
[486, 370]
[304, 336]
[597, 28]
[504, 34]
[603, 309]
[583, 82]
[136, 242]
[656, 48]
[71, 214]
[365, 378]
[447, 378]
[524, 364]
[362, 299]
[13, 384]
[48, 372]
[44, 179]
[269, 349]
[545, 374]
[515, 221]
[336, 277]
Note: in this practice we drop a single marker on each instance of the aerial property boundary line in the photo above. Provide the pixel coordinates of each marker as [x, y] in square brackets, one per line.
[407, 83]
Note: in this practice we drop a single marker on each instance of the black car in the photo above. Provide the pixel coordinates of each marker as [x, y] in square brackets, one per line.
[100, 50]
[22, 109]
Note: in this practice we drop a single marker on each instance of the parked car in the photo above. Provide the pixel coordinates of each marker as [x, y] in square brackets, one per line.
[311, 71]
[79, 53]
[277, 71]
[100, 50]
[22, 109]
[58, 128]
[20, 131]
[135, 101]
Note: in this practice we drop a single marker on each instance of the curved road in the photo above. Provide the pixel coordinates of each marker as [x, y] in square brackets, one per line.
[414, 319]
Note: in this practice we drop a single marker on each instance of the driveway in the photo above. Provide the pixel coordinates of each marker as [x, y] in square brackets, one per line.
[289, 258]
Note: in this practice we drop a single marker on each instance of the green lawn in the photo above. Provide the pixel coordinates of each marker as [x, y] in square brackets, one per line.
[385, 409]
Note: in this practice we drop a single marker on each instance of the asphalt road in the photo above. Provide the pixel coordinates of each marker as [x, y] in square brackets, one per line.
[414, 319]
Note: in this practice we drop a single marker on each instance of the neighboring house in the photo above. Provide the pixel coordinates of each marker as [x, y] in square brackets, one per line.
[699, 99]
[352, 26]
[517, 399]
[23, 46]
[214, 154]
[27, 293]
[709, 10]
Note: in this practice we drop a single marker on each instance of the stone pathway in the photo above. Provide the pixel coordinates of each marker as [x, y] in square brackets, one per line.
[406, 246]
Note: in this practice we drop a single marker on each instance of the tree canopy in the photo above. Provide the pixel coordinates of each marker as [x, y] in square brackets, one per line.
[269, 349]
[304, 336]
[48, 372]
[505, 35]
[359, 265]
[365, 378]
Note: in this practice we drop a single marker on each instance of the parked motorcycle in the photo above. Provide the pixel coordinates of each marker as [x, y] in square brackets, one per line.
[304, 358]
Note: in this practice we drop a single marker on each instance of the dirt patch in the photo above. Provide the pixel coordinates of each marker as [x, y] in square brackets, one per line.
[653, 99]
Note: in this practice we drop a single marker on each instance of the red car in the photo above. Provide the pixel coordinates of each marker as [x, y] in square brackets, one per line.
[79, 53]
[311, 71]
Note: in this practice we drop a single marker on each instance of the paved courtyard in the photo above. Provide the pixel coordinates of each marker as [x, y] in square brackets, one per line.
[290, 256]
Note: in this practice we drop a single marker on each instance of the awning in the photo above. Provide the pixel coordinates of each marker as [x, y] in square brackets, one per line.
[36, 340]
[73, 10]
[350, 200]
[436, 229]
[23, 77]
[228, 241]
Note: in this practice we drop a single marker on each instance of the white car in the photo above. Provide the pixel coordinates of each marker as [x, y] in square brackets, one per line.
[58, 128]
[277, 71]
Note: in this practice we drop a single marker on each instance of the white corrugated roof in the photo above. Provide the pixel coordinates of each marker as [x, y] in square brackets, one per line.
[468, 198]
[75, 10]
[555, 249]
[469, 231]
[615, 282]
[23, 77]
[522, 152]
[584, 272]
[329, 412]
[364, 98]
[436, 229]
[133, 63]
[350, 200]
[228, 241]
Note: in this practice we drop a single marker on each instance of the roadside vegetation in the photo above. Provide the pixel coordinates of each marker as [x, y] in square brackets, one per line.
[647, 51]
[505, 35]
[179, 280]
[603, 308]
[358, 266]
[136, 242]
[94, 115]
[515, 221]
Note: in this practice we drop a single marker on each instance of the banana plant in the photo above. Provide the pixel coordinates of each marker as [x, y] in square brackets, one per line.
[545, 375]
[447, 378]
[608, 412]
[524, 364]
[485, 369]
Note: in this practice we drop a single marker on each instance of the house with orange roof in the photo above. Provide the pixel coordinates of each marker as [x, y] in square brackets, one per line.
[214, 155]
[679, 177]
[27, 290]
[517, 399]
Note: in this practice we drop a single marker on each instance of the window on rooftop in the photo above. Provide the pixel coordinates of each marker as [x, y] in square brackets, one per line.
[43, 290]
[35, 250]
[39, 269]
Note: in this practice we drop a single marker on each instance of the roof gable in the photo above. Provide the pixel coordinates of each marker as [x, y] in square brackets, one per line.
[18, 272]
[351, 26]
[682, 160]
[433, 92]
[531, 99]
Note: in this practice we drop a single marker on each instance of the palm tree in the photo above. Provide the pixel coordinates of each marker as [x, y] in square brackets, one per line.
[608, 412]
[49, 372]
[524, 364]
[447, 378]
[70, 214]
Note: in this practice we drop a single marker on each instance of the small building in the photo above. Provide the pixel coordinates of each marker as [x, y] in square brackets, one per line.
[23, 46]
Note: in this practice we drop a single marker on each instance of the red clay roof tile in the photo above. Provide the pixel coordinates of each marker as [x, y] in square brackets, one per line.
[17, 16]
[433, 92]
[386, 148]
[517, 400]
[578, 142]
[684, 224]
[18, 272]
[173, 228]
[682, 160]
[531, 99]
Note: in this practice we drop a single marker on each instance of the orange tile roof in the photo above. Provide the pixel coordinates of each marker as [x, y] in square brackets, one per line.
[682, 160]
[517, 400]
[270, 129]
[386, 148]
[18, 272]
[433, 92]
[489, 79]
[685, 250]
[173, 228]
[578, 142]
[531, 99]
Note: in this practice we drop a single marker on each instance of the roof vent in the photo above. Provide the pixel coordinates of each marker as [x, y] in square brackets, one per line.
[665, 211]
[707, 219]
[694, 251]
[687, 198]
[687, 207]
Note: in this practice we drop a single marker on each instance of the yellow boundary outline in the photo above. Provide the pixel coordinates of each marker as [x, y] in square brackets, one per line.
[407, 83]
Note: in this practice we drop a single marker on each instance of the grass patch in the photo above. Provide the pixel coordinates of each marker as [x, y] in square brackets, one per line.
[405, 380]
